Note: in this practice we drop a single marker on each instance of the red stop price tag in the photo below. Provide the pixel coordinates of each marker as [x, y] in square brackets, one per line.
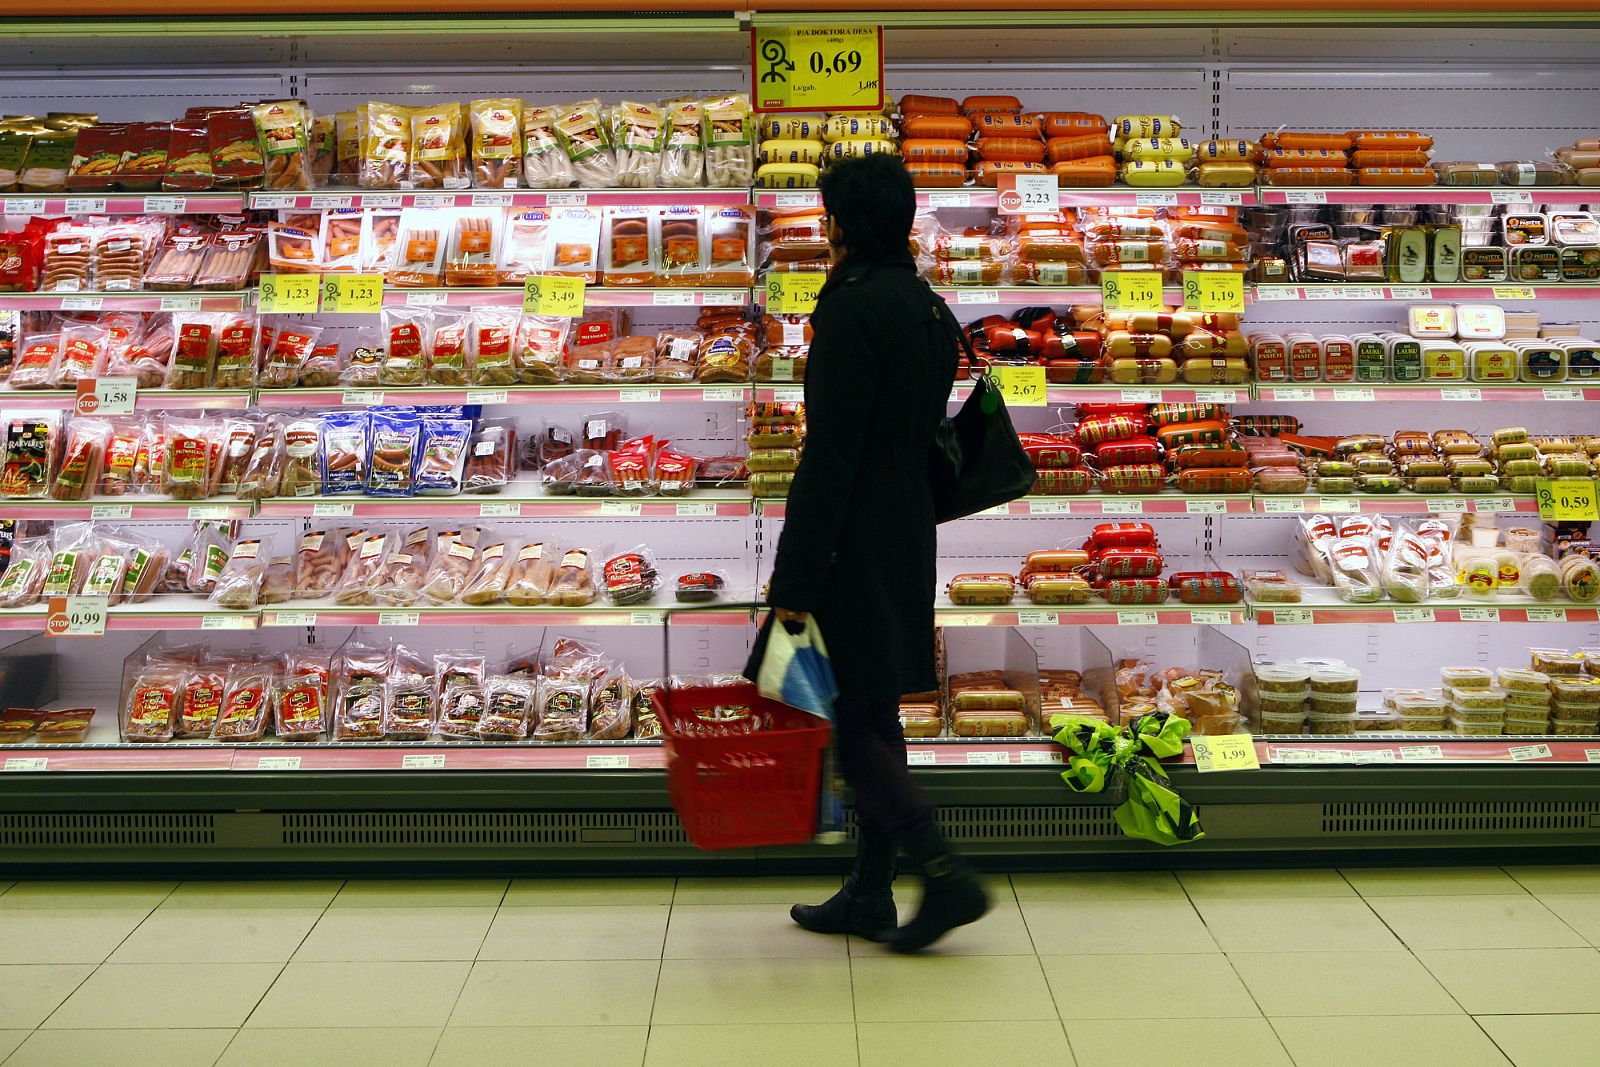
[107, 396]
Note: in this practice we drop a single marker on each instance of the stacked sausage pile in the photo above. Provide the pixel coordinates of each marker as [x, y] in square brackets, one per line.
[1070, 247]
[795, 148]
[1088, 345]
[1360, 157]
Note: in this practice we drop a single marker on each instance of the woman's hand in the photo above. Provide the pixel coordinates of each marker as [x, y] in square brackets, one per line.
[791, 620]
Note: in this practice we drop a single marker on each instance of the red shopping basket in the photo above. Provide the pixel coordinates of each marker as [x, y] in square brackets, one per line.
[743, 771]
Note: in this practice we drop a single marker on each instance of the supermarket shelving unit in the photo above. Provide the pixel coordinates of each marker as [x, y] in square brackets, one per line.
[106, 805]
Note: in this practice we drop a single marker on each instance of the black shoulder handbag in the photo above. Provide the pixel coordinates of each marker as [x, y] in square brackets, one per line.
[976, 461]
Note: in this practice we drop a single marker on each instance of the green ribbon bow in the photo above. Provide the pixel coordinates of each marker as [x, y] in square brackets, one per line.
[1129, 758]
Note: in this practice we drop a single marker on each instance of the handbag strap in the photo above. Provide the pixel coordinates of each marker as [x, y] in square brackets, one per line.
[947, 321]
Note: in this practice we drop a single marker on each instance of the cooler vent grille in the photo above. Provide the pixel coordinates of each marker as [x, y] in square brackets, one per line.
[1018, 823]
[477, 829]
[105, 831]
[1456, 817]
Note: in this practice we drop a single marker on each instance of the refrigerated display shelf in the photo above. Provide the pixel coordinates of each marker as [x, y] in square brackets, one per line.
[175, 611]
[232, 300]
[948, 614]
[322, 199]
[144, 399]
[1412, 392]
[319, 613]
[517, 395]
[1429, 194]
[518, 499]
[1319, 607]
[1275, 751]
[27, 204]
[1447, 292]
[154, 509]
[1393, 504]
[594, 296]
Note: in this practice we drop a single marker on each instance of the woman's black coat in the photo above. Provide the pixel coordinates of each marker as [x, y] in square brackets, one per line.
[858, 545]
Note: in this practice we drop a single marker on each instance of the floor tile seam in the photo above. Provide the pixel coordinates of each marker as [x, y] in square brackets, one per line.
[1272, 1027]
[1503, 1052]
[439, 1038]
[93, 967]
[1251, 993]
[236, 1032]
[284, 966]
[94, 970]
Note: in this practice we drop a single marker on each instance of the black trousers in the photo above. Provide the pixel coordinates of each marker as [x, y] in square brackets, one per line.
[872, 757]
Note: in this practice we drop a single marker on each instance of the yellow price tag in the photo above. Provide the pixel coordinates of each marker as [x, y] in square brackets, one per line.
[1131, 290]
[1566, 499]
[1213, 290]
[1225, 752]
[288, 294]
[550, 294]
[793, 294]
[817, 68]
[1020, 387]
[352, 294]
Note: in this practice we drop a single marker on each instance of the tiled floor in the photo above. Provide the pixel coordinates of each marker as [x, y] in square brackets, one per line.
[1317, 968]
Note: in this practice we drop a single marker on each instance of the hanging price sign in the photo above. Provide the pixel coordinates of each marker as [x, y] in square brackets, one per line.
[1566, 499]
[288, 294]
[1225, 752]
[352, 294]
[1213, 290]
[794, 294]
[1021, 387]
[76, 616]
[817, 68]
[549, 294]
[1131, 290]
[107, 396]
[1029, 194]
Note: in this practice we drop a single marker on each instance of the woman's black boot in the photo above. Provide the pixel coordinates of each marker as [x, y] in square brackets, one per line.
[952, 894]
[865, 906]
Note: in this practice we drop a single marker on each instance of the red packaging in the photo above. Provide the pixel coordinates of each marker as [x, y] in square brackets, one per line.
[18, 263]
[1128, 451]
[1188, 457]
[1096, 429]
[1135, 478]
[1133, 590]
[1142, 562]
[188, 164]
[1205, 587]
[95, 157]
[1062, 482]
[1053, 455]
[1215, 480]
[236, 159]
[1121, 535]
[144, 156]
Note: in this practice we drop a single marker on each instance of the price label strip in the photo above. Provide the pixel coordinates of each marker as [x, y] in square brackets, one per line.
[817, 68]
[793, 294]
[288, 294]
[1225, 752]
[1566, 499]
[352, 294]
[107, 396]
[76, 616]
[1020, 387]
[1211, 290]
[1029, 194]
[1133, 290]
[550, 294]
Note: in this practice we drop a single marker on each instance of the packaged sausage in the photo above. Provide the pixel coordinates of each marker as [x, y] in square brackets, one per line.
[362, 677]
[474, 241]
[404, 570]
[292, 345]
[300, 701]
[438, 148]
[282, 128]
[455, 554]
[344, 452]
[317, 566]
[418, 256]
[245, 707]
[82, 459]
[364, 571]
[443, 453]
[496, 142]
[300, 466]
[544, 161]
[152, 704]
[489, 578]
[730, 142]
[508, 707]
[573, 583]
[493, 337]
[23, 580]
[531, 574]
[583, 134]
[394, 439]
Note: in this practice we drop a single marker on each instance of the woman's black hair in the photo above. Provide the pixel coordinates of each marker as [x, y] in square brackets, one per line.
[873, 201]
